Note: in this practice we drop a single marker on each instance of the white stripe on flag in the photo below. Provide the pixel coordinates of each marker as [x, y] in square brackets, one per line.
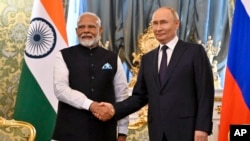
[42, 68]
[246, 4]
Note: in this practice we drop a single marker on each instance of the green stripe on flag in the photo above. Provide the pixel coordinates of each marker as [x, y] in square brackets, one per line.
[32, 106]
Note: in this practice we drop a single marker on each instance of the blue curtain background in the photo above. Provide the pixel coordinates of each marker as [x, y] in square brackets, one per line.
[125, 20]
[74, 9]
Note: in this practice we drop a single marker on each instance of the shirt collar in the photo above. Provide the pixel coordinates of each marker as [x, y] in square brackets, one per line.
[171, 44]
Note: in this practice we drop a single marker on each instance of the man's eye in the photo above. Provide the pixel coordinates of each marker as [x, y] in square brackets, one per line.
[80, 27]
[163, 22]
[154, 23]
[159, 23]
[92, 26]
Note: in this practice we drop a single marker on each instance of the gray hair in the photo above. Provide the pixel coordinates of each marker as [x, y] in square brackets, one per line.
[173, 11]
[90, 13]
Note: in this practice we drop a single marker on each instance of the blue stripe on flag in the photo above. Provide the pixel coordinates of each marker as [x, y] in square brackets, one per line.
[239, 50]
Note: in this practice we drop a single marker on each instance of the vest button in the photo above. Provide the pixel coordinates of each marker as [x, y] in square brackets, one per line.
[92, 65]
[92, 90]
[92, 77]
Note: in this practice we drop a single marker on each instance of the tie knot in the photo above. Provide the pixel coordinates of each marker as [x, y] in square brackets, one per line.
[164, 48]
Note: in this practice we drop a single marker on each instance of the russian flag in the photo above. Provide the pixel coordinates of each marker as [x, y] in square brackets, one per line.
[236, 94]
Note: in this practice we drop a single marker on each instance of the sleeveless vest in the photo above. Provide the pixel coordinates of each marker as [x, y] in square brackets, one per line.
[91, 71]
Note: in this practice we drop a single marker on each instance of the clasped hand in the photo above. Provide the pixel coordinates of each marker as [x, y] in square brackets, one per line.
[103, 110]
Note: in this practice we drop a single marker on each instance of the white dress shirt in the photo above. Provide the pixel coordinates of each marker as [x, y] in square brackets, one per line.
[171, 45]
[77, 99]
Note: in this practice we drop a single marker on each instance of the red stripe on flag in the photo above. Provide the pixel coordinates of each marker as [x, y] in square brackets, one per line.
[234, 109]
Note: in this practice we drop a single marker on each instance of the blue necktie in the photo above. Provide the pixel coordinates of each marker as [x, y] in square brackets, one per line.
[163, 66]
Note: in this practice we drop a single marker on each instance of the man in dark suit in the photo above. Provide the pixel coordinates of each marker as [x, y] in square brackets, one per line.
[180, 103]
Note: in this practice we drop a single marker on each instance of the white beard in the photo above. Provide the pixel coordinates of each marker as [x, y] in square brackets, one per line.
[87, 43]
[91, 42]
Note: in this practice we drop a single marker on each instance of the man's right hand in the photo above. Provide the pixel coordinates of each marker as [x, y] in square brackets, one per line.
[103, 111]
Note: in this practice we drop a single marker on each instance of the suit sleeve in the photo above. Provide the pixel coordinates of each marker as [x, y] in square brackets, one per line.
[137, 100]
[205, 91]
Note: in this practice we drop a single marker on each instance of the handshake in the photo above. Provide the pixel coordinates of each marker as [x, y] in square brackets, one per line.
[103, 110]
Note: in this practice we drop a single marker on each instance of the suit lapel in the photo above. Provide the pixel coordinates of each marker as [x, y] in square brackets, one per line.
[175, 58]
[155, 66]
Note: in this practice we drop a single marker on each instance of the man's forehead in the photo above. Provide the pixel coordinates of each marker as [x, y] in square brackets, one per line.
[159, 18]
[162, 15]
[87, 23]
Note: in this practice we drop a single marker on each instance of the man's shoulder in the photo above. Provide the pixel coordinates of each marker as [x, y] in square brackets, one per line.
[187, 43]
[105, 51]
[151, 52]
[70, 48]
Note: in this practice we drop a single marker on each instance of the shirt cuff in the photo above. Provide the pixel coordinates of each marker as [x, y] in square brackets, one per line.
[87, 104]
[123, 130]
[121, 134]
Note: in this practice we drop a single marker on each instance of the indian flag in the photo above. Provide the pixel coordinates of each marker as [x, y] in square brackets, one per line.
[36, 102]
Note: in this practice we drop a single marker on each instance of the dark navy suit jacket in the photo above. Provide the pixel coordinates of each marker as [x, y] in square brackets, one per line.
[184, 103]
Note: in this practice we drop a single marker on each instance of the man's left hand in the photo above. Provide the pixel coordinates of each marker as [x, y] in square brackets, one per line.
[200, 136]
[121, 138]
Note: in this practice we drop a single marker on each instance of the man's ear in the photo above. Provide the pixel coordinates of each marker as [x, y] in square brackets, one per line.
[177, 24]
[100, 30]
